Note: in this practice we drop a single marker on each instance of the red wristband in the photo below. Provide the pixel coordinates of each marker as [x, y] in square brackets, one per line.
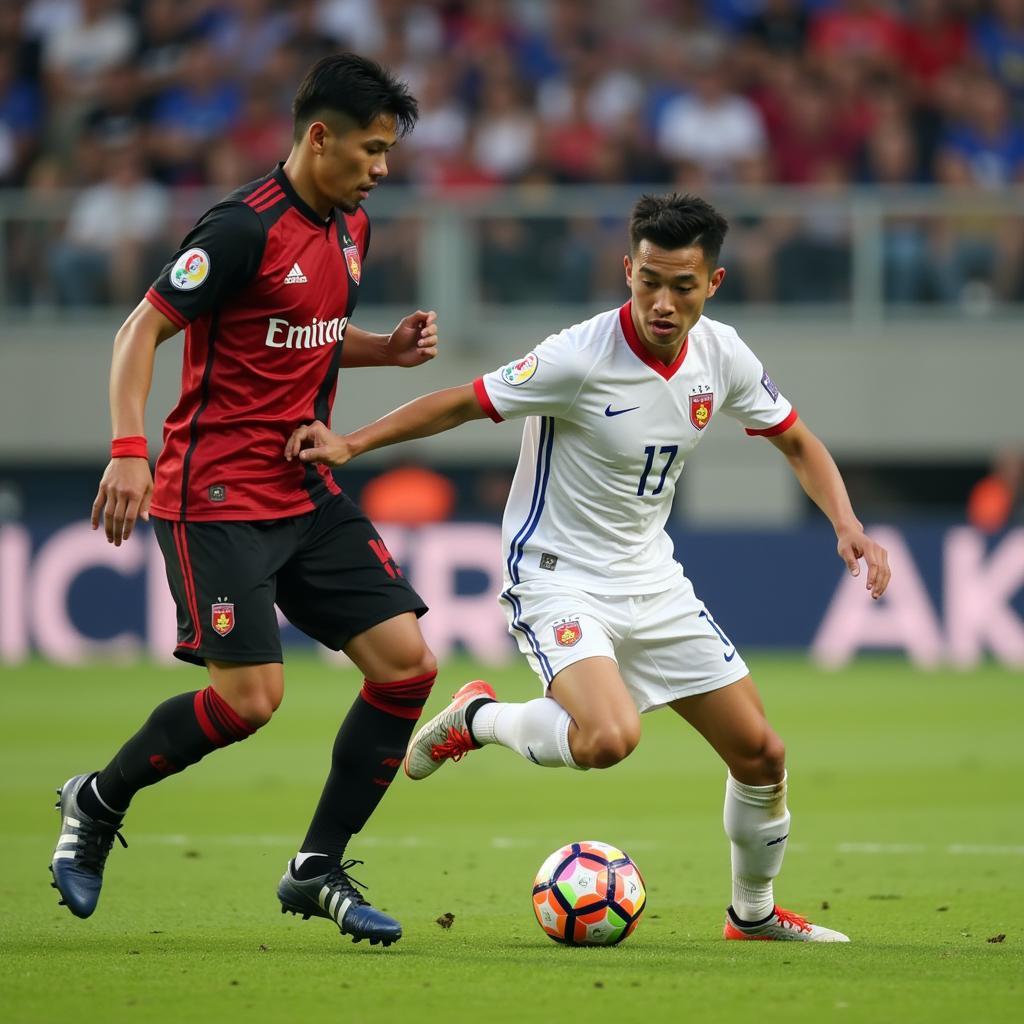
[133, 447]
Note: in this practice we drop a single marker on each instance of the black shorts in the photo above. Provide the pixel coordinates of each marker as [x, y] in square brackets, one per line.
[327, 570]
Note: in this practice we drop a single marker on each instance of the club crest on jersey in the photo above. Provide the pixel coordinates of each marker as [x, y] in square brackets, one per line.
[568, 632]
[222, 618]
[355, 268]
[701, 407]
[190, 270]
[519, 371]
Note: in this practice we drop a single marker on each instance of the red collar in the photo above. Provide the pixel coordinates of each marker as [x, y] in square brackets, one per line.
[641, 351]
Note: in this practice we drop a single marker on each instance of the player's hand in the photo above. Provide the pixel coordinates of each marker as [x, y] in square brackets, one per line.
[315, 443]
[854, 544]
[414, 341]
[126, 489]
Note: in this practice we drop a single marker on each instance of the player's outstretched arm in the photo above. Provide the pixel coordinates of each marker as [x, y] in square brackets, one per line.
[413, 342]
[431, 414]
[820, 478]
[126, 487]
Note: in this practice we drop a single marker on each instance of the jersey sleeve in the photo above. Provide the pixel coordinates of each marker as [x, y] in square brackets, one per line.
[218, 256]
[544, 382]
[753, 398]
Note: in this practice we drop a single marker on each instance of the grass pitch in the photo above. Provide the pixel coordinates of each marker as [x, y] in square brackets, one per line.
[908, 834]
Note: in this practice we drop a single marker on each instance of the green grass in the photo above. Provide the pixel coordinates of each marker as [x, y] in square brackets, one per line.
[907, 834]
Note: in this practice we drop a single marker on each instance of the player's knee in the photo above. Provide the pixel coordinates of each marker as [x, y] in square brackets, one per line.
[762, 761]
[412, 661]
[254, 697]
[256, 707]
[773, 757]
[608, 744]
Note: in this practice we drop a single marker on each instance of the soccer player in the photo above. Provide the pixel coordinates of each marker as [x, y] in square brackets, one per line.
[593, 595]
[264, 286]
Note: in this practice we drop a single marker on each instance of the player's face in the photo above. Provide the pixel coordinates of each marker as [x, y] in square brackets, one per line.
[352, 162]
[669, 288]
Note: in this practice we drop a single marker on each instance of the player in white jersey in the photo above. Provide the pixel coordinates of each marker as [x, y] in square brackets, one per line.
[593, 593]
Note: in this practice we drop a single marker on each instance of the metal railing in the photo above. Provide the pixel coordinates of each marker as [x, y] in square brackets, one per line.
[866, 254]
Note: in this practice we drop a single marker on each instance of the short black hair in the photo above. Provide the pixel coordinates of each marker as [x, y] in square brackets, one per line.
[676, 221]
[357, 87]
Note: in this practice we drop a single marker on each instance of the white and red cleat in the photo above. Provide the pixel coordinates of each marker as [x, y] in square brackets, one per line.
[446, 737]
[782, 926]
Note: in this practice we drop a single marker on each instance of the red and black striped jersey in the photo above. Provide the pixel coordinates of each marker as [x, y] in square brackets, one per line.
[264, 288]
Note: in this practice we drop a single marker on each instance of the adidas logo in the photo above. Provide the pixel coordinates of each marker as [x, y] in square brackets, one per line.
[295, 275]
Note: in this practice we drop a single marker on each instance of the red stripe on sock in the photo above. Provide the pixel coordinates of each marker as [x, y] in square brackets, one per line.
[206, 723]
[218, 719]
[238, 726]
[403, 698]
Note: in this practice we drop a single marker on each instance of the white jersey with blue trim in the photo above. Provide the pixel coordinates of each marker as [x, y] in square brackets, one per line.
[608, 430]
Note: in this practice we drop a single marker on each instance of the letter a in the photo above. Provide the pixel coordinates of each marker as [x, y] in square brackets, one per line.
[903, 619]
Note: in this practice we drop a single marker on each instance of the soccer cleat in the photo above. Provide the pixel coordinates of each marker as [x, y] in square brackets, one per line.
[82, 849]
[782, 926]
[446, 737]
[334, 896]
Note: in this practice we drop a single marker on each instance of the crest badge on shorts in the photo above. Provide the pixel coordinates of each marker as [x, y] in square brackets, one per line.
[355, 268]
[222, 618]
[568, 632]
[701, 407]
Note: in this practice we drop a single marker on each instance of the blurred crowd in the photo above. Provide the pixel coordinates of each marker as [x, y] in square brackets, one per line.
[131, 100]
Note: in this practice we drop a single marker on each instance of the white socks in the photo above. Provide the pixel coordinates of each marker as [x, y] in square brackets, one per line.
[538, 730]
[757, 823]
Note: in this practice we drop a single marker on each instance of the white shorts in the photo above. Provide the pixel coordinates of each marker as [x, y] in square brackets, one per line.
[666, 645]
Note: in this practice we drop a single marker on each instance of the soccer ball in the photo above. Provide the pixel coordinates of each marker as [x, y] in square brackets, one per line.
[588, 894]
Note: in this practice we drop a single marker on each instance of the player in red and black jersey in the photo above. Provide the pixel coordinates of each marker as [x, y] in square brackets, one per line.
[264, 287]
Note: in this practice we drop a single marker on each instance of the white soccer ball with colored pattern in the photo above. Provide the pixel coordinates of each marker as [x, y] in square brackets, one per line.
[589, 894]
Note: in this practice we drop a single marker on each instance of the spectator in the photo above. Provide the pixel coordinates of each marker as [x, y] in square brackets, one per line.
[999, 40]
[204, 103]
[43, 19]
[780, 26]
[351, 24]
[807, 136]
[443, 123]
[981, 256]
[31, 242]
[166, 29]
[246, 32]
[889, 159]
[978, 253]
[988, 141]
[751, 246]
[107, 252]
[20, 113]
[571, 143]
[996, 499]
[934, 39]
[409, 495]
[118, 108]
[858, 31]
[506, 140]
[74, 60]
[261, 131]
[713, 126]
[814, 261]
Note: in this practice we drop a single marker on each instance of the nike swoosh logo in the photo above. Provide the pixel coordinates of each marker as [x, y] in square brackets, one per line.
[533, 756]
[775, 842]
[729, 657]
[609, 411]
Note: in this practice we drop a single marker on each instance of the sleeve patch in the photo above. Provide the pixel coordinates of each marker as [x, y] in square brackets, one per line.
[520, 371]
[190, 270]
[769, 385]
